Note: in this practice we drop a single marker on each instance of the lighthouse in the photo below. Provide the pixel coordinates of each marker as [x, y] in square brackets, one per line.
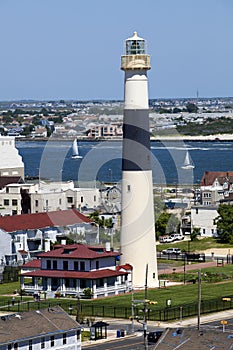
[137, 237]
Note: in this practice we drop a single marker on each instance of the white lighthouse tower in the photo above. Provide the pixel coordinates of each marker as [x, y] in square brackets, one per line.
[137, 219]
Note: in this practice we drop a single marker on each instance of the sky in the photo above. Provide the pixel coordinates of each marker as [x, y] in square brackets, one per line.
[71, 49]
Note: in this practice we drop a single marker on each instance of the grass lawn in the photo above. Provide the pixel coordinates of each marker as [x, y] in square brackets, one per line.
[179, 295]
[199, 245]
[9, 288]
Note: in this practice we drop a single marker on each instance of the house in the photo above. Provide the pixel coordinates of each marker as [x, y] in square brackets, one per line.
[50, 328]
[203, 217]
[29, 198]
[72, 269]
[32, 233]
[216, 187]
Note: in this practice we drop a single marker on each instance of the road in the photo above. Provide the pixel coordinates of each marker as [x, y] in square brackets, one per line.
[135, 342]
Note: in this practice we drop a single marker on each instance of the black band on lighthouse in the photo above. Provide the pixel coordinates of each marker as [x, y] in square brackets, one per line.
[136, 144]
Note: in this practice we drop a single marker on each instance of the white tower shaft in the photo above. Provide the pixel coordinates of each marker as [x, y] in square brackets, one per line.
[137, 216]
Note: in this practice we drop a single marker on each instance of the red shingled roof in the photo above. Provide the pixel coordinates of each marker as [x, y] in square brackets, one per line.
[125, 267]
[77, 251]
[35, 263]
[209, 177]
[42, 220]
[74, 274]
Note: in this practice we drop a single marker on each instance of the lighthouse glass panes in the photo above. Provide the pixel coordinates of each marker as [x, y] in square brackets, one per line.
[135, 47]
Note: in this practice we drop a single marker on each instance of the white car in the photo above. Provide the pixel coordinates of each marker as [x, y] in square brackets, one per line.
[177, 236]
[170, 251]
[165, 239]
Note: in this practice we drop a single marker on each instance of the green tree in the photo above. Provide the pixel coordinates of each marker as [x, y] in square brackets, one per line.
[191, 108]
[225, 223]
[166, 224]
[195, 232]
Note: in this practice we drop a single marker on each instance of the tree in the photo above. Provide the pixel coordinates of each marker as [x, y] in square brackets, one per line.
[166, 224]
[191, 108]
[225, 223]
[195, 232]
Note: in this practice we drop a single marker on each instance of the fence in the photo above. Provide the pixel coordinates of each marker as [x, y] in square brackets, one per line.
[91, 310]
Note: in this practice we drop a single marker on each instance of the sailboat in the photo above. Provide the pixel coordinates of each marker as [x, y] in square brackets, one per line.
[188, 164]
[75, 150]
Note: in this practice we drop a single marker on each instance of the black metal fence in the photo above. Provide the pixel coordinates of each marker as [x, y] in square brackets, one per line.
[90, 309]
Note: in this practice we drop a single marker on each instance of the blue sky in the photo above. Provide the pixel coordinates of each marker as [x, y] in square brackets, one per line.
[70, 49]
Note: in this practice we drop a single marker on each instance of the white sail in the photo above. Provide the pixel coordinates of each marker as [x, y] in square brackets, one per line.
[188, 164]
[75, 150]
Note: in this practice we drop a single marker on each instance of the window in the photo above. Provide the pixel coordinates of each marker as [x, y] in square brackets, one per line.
[82, 266]
[196, 210]
[36, 203]
[76, 265]
[48, 264]
[97, 265]
[81, 199]
[52, 340]
[59, 201]
[203, 231]
[55, 265]
[128, 188]
[78, 334]
[7, 191]
[42, 343]
[94, 198]
[14, 202]
[30, 344]
[14, 212]
[64, 338]
[65, 265]
[6, 202]
[69, 199]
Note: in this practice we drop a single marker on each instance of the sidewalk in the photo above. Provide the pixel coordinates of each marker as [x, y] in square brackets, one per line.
[192, 322]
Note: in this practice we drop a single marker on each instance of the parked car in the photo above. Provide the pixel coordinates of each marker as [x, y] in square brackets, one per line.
[165, 239]
[170, 251]
[176, 236]
[153, 337]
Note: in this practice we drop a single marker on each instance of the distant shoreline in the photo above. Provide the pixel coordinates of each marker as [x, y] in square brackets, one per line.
[201, 138]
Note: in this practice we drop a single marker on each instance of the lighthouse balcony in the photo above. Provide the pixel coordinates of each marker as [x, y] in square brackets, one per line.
[135, 62]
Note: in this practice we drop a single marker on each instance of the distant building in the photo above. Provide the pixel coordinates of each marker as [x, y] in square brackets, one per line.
[216, 187]
[28, 198]
[31, 234]
[105, 130]
[50, 328]
[11, 163]
[70, 269]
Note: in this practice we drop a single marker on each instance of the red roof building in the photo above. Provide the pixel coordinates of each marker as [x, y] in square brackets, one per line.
[27, 235]
[216, 187]
[74, 269]
[42, 220]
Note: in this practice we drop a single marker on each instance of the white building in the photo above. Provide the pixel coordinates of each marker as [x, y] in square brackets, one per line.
[203, 217]
[21, 198]
[50, 328]
[11, 163]
[24, 236]
[70, 269]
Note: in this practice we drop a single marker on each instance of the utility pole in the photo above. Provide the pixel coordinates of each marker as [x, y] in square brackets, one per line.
[145, 311]
[199, 301]
[132, 310]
